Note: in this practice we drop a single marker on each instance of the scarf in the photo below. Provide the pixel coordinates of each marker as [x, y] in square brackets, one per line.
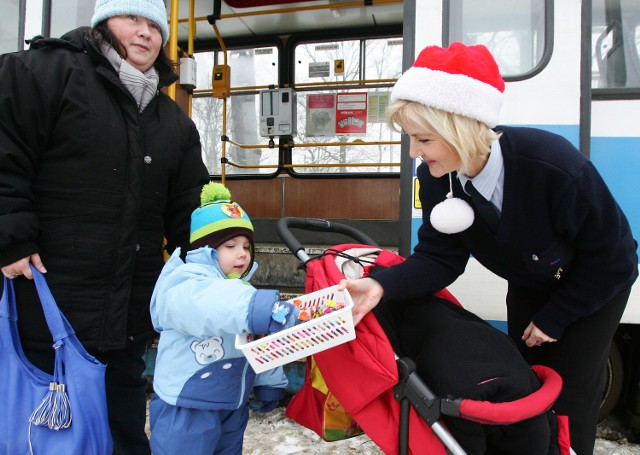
[142, 86]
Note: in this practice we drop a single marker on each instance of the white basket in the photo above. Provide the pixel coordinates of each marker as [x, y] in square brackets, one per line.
[304, 339]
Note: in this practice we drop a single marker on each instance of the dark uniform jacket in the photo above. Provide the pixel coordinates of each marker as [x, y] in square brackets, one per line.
[560, 230]
[92, 185]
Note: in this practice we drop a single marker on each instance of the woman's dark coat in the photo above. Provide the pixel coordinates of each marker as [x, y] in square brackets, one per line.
[560, 231]
[92, 185]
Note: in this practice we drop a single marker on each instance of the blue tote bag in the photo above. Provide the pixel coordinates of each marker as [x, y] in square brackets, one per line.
[40, 414]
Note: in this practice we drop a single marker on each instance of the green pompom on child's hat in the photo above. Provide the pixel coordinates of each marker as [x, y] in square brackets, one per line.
[214, 192]
[218, 219]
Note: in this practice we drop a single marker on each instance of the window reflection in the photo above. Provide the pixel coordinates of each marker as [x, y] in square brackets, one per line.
[513, 30]
[9, 30]
[616, 44]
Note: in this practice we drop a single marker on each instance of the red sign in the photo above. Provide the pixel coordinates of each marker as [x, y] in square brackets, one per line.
[351, 113]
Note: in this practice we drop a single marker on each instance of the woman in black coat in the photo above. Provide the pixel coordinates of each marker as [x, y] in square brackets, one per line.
[97, 167]
[529, 207]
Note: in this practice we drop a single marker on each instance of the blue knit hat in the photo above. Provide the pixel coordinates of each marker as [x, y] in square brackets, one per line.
[218, 219]
[154, 10]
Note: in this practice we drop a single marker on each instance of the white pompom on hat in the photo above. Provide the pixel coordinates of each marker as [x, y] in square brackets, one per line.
[154, 10]
[460, 79]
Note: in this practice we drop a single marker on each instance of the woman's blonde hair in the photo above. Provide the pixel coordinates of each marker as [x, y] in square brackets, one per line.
[466, 136]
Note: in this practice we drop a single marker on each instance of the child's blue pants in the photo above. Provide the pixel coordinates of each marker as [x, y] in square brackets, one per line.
[176, 430]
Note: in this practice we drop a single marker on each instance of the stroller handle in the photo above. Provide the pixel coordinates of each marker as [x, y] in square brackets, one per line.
[284, 225]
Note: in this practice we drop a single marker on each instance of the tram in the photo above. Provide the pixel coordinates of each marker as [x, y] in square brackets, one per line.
[289, 99]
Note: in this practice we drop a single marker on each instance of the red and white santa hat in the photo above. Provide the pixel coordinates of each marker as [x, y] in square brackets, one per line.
[460, 79]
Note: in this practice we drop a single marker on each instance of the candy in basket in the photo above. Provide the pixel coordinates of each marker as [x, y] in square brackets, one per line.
[319, 333]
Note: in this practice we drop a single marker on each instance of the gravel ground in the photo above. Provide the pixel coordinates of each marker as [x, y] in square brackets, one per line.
[615, 439]
[275, 434]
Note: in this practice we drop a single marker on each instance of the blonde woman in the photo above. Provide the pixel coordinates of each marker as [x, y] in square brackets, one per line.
[529, 207]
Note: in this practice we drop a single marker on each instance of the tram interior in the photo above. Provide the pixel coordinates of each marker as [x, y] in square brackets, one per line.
[367, 200]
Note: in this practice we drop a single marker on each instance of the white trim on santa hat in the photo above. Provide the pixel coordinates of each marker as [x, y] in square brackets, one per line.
[455, 93]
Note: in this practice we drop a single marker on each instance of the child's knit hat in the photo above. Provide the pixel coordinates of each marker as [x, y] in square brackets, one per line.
[154, 10]
[460, 79]
[218, 219]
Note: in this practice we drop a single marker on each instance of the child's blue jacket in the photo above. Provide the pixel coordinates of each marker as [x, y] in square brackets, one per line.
[198, 311]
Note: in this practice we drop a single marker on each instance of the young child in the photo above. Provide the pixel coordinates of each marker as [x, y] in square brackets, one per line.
[202, 382]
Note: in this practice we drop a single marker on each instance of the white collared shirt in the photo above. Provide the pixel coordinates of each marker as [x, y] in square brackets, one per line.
[490, 181]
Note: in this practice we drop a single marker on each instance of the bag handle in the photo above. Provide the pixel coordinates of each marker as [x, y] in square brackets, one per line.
[58, 324]
[8, 296]
[56, 321]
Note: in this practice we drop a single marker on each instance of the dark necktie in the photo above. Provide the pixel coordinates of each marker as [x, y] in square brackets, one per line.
[485, 209]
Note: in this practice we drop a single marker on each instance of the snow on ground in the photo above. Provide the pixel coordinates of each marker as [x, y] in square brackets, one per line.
[615, 439]
[275, 434]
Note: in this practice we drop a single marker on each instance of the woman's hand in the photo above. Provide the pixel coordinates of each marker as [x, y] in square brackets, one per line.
[21, 267]
[366, 294]
[533, 336]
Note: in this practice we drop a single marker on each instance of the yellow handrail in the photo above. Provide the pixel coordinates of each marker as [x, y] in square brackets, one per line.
[312, 144]
[190, 48]
[224, 109]
[354, 81]
[362, 82]
[299, 8]
[173, 41]
[291, 166]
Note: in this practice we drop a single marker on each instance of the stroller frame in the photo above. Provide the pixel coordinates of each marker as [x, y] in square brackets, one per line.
[411, 391]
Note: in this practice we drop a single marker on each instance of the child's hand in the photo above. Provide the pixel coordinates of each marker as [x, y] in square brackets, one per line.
[283, 316]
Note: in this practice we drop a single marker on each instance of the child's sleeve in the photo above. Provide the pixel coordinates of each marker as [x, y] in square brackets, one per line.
[272, 378]
[201, 306]
[261, 309]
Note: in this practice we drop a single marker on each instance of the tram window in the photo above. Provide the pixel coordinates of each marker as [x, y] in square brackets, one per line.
[513, 30]
[616, 44]
[343, 90]
[249, 69]
[242, 128]
[62, 21]
[9, 28]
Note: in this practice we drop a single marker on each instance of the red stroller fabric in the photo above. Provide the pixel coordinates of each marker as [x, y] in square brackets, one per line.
[369, 362]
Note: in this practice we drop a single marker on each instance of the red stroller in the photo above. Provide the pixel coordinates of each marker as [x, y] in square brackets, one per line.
[390, 395]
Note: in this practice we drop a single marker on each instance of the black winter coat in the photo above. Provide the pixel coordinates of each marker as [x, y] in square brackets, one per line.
[560, 231]
[93, 186]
